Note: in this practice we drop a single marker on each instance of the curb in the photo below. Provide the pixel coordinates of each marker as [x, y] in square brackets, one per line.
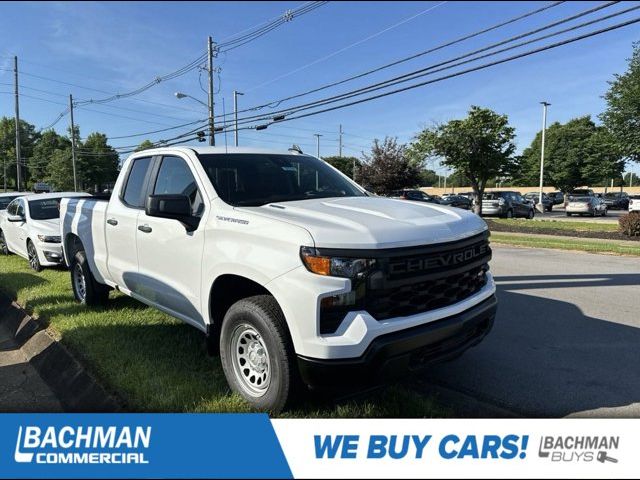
[75, 389]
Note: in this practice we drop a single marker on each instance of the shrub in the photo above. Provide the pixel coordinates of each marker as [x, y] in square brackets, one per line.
[630, 224]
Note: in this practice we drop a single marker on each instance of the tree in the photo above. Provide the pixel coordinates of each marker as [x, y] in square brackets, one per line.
[622, 116]
[635, 180]
[577, 153]
[97, 162]
[387, 168]
[28, 138]
[346, 165]
[43, 151]
[479, 147]
[145, 145]
[60, 170]
[428, 178]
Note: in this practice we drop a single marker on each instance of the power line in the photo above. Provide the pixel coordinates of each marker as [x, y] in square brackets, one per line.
[445, 65]
[326, 57]
[411, 57]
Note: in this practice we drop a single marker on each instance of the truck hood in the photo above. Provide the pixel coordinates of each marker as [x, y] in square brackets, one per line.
[374, 222]
[46, 227]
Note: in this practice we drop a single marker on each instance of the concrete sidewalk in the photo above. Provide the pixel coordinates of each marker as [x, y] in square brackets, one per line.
[21, 388]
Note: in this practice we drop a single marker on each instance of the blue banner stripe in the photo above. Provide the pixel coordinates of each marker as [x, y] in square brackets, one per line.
[140, 446]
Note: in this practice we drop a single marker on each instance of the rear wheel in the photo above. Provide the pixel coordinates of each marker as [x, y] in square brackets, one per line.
[257, 354]
[568, 214]
[4, 249]
[86, 289]
[531, 214]
[32, 255]
[509, 213]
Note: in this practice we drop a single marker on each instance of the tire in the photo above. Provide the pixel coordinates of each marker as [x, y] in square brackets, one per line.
[4, 248]
[86, 289]
[269, 380]
[32, 255]
[569, 214]
[509, 214]
[531, 214]
[604, 212]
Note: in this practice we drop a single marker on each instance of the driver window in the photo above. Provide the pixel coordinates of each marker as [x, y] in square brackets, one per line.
[175, 178]
[11, 209]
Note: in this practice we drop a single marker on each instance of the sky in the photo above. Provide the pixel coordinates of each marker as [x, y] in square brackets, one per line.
[94, 49]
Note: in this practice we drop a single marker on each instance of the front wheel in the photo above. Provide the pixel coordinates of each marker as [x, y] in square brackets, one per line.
[32, 255]
[509, 214]
[531, 214]
[86, 289]
[257, 354]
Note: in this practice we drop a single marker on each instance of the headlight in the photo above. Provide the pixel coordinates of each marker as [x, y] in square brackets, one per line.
[334, 266]
[49, 238]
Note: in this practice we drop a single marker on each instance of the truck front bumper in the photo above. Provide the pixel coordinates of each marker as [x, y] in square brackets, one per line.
[405, 351]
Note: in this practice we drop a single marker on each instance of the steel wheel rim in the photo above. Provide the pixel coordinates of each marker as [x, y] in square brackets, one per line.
[251, 361]
[79, 282]
[33, 256]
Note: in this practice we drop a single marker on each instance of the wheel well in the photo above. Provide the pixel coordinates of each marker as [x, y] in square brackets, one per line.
[225, 291]
[72, 244]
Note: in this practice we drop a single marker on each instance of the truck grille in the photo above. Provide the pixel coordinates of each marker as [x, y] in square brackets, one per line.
[413, 298]
[413, 280]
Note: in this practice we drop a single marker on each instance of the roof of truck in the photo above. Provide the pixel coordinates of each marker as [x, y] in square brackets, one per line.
[220, 150]
[49, 196]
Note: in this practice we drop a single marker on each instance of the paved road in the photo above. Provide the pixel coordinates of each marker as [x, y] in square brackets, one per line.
[21, 388]
[566, 341]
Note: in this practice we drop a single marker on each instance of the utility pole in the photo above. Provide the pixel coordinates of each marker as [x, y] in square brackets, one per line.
[235, 114]
[544, 129]
[73, 144]
[212, 138]
[630, 180]
[317, 135]
[17, 118]
[340, 142]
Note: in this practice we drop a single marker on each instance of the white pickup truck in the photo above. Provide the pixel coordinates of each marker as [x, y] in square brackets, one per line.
[296, 275]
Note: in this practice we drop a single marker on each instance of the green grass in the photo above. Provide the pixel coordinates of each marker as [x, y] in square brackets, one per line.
[558, 225]
[566, 243]
[157, 364]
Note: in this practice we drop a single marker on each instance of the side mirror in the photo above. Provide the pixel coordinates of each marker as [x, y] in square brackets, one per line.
[175, 207]
[15, 218]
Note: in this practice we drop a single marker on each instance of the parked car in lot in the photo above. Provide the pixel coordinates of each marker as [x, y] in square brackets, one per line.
[7, 198]
[533, 197]
[456, 201]
[30, 227]
[416, 195]
[556, 197]
[616, 200]
[507, 204]
[634, 203]
[292, 272]
[586, 206]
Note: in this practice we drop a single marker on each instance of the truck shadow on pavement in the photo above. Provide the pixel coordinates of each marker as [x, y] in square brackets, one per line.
[546, 358]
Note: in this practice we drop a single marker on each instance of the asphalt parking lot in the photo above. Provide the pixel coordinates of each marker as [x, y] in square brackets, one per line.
[559, 214]
[566, 341]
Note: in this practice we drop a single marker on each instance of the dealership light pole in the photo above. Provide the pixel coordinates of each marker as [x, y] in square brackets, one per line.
[73, 143]
[317, 135]
[235, 114]
[17, 118]
[544, 129]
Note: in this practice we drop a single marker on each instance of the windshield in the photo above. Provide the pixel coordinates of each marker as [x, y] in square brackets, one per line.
[493, 195]
[44, 209]
[581, 199]
[251, 180]
[5, 201]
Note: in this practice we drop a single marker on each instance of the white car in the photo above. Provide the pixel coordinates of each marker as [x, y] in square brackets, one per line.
[634, 203]
[30, 227]
[294, 274]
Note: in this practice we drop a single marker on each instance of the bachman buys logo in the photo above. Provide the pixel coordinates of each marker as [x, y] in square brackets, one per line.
[83, 444]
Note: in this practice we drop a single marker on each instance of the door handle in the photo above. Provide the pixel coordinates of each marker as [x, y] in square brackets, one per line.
[112, 221]
[145, 228]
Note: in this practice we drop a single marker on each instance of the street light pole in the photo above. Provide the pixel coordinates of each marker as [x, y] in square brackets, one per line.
[73, 143]
[235, 114]
[17, 118]
[544, 129]
[317, 135]
[340, 142]
[212, 138]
